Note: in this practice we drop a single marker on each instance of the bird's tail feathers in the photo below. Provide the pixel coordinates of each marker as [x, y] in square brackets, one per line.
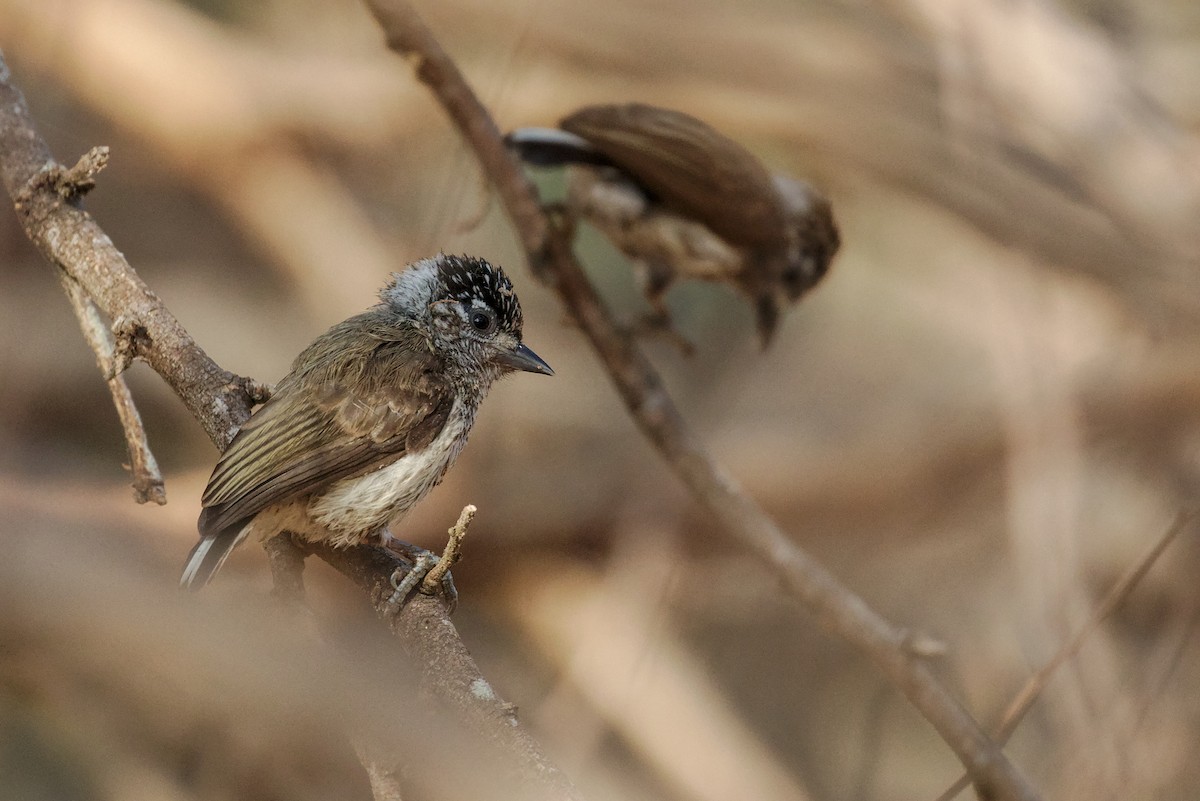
[551, 147]
[209, 554]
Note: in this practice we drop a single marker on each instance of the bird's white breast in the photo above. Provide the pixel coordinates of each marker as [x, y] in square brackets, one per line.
[355, 508]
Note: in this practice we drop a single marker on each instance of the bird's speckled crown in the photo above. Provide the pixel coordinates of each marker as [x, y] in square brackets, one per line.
[466, 279]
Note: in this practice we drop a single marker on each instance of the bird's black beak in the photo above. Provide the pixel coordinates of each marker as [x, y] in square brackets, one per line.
[522, 358]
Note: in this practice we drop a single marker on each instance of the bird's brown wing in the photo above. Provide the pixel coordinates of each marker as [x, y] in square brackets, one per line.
[315, 432]
[690, 167]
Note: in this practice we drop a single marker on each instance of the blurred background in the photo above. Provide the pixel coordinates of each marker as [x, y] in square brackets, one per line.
[984, 415]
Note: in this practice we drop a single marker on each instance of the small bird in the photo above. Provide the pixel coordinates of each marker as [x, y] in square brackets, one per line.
[371, 416]
[684, 201]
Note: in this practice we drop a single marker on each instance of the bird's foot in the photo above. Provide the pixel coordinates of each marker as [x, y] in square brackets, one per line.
[406, 579]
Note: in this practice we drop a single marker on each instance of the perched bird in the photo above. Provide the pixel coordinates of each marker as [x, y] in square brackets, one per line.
[371, 415]
[684, 201]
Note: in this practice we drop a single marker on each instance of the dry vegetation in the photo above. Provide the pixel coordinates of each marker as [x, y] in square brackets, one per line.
[981, 420]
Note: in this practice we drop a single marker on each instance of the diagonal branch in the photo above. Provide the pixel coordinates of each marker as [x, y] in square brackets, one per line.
[447, 668]
[840, 610]
[46, 198]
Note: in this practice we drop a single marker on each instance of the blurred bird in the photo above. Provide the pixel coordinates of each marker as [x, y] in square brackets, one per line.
[371, 416]
[684, 201]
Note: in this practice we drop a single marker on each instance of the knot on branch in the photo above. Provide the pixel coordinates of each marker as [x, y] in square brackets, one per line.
[67, 183]
[131, 341]
[252, 392]
[147, 488]
[81, 179]
[257, 391]
[231, 405]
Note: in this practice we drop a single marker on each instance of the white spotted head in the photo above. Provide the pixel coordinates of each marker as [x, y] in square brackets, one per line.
[469, 311]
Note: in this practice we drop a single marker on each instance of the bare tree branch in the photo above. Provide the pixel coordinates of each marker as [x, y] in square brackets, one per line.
[46, 197]
[147, 478]
[384, 784]
[447, 668]
[840, 610]
[287, 570]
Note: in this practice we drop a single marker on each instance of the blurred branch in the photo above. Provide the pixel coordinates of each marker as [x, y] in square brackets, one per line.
[447, 668]
[642, 681]
[286, 559]
[241, 90]
[239, 96]
[1112, 600]
[1115, 596]
[46, 198]
[1053, 85]
[287, 571]
[384, 785]
[839, 609]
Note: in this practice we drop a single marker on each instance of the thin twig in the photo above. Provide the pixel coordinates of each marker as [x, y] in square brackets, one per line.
[1115, 596]
[840, 610]
[147, 478]
[286, 560]
[452, 552]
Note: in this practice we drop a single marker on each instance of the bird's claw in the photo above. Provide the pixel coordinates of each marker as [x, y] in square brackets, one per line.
[406, 579]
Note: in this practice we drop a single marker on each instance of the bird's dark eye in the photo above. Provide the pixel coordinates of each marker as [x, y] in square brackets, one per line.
[482, 321]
